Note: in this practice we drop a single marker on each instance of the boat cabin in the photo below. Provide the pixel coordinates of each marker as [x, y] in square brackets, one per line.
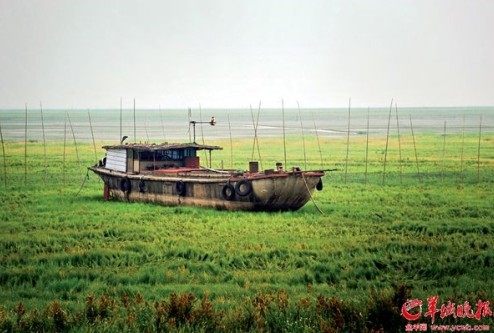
[145, 158]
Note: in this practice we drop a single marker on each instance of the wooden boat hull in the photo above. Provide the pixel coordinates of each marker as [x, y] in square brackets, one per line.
[283, 191]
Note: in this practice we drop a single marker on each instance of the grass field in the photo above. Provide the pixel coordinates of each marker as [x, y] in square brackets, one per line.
[424, 227]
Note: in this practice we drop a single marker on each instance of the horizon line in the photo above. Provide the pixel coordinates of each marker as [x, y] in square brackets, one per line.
[58, 108]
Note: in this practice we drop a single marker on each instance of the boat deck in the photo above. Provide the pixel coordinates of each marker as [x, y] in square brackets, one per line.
[192, 172]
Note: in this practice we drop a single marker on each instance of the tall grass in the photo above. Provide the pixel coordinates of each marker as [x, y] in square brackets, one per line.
[73, 261]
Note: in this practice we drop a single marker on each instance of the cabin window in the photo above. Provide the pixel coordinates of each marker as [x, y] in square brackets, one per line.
[169, 155]
[146, 156]
[190, 153]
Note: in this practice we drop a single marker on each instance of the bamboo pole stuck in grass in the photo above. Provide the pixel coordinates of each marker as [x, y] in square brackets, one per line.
[255, 132]
[444, 153]
[120, 137]
[146, 128]
[150, 129]
[255, 124]
[462, 149]
[478, 150]
[415, 150]
[348, 140]
[231, 141]
[202, 134]
[64, 165]
[387, 142]
[75, 142]
[367, 147]
[92, 135]
[256, 137]
[4, 158]
[303, 135]
[399, 145]
[318, 141]
[44, 143]
[162, 124]
[25, 148]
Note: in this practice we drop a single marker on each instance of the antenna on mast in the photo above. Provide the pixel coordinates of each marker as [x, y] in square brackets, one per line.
[212, 122]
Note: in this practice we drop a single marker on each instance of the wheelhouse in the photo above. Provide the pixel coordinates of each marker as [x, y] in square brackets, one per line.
[144, 158]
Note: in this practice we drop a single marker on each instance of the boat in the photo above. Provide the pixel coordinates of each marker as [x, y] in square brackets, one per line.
[172, 174]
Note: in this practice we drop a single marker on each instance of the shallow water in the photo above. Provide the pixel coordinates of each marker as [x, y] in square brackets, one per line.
[170, 125]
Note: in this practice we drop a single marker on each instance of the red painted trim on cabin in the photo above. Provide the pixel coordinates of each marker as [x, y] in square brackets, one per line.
[176, 170]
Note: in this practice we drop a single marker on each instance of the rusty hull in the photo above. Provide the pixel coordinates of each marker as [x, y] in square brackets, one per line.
[277, 191]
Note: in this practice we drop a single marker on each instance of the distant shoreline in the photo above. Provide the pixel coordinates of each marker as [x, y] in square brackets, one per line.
[173, 124]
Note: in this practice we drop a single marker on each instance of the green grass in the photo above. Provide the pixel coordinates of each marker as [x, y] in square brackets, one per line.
[431, 231]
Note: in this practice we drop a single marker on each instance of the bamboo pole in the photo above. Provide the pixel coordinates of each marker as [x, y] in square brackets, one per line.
[146, 128]
[64, 166]
[303, 135]
[25, 149]
[92, 135]
[400, 165]
[44, 143]
[348, 140]
[231, 142]
[75, 142]
[255, 124]
[120, 138]
[202, 135]
[162, 124]
[318, 141]
[478, 150]
[462, 149]
[444, 153]
[4, 158]
[387, 142]
[415, 150]
[257, 136]
[367, 147]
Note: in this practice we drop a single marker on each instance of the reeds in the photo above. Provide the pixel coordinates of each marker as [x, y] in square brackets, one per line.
[266, 311]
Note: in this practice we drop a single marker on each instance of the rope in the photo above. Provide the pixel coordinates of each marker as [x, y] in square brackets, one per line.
[310, 195]
[83, 182]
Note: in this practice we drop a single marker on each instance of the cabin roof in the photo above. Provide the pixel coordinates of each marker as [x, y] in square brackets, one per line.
[162, 146]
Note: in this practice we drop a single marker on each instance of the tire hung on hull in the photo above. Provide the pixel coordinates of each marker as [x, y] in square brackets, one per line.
[180, 187]
[243, 187]
[125, 185]
[228, 192]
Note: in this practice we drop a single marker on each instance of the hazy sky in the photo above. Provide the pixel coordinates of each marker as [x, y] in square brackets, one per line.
[232, 53]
